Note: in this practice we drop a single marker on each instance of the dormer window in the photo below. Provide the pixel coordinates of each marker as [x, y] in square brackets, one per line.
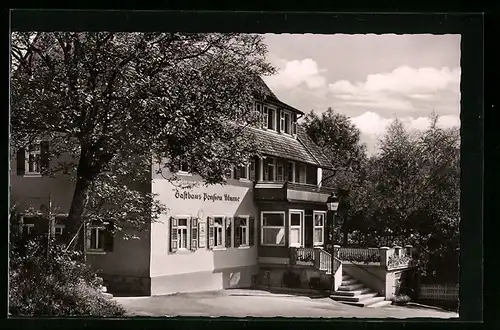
[271, 118]
[286, 122]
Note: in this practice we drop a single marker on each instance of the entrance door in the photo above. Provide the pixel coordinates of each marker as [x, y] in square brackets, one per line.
[296, 223]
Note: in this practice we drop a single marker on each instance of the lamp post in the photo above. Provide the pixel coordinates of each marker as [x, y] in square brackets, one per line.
[332, 205]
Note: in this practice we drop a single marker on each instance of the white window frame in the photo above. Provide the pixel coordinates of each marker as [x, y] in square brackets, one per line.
[28, 227]
[283, 126]
[223, 230]
[273, 111]
[183, 173]
[247, 231]
[315, 243]
[247, 172]
[300, 227]
[188, 228]
[27, 153]
[265, 115]
[59, 229]
[262, 227]
[99, 230]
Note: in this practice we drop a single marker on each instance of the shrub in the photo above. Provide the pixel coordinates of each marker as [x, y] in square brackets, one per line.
[401, 299]
[54, 284]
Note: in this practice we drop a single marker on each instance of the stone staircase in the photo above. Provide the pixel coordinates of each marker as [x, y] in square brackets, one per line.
[357, 294]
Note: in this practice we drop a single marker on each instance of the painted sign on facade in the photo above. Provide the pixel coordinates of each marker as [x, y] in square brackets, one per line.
[207, 197]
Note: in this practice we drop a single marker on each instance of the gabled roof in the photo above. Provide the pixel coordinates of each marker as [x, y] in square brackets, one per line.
[270, 97]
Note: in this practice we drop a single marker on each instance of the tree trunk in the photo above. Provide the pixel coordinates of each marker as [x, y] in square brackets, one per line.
[74, 220]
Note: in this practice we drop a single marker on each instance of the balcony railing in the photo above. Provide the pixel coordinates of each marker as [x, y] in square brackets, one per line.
[389, 258]
[316, 257]
[290, 191]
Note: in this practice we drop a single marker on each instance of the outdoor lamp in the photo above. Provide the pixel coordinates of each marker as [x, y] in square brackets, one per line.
[332, 203]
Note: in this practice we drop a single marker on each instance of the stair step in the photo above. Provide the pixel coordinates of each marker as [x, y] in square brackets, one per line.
[379, 304]
[352, 293]
[352, 287]
[357, 298]
[346, 277]
[366, 302]
[349, 282]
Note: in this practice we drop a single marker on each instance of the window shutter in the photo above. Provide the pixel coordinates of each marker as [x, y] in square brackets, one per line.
[229, 221]
[210, 232]
[188, 233]
[108, 238]
[251, 231]
[44, 156]
[294, 124]
[20, 158]
[173, 234]
[237, 232]
[194, 234]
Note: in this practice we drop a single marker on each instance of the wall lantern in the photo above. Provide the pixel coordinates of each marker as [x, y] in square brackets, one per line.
[332, 203]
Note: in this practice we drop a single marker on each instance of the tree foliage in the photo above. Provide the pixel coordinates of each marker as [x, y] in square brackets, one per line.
[408, 193]
[339, 139]
[112, 100]
[412, 196]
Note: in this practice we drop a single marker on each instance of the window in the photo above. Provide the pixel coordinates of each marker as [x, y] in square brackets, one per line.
[265, 117]
[311, 174]
[319, 227]
[271, 118]
[285, 122]
[32, 159]
[300, 173]
[29, 228]
[269, 169]
[296, 228]
[241, 172]
[279, 171]
[291, 171]
[184, 167]
[273, 228]
[180, 233]
[59, 229]
[219, 232]
[95, 239]
[251, 174]
[241, 232]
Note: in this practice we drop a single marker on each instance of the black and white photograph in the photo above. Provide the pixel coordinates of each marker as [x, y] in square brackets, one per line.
[299, 175]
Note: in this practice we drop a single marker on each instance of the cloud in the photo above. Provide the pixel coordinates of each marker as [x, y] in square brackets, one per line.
[291, 74]
[404, 89]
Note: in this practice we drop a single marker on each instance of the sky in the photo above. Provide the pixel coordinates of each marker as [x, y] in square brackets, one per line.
[370, 78]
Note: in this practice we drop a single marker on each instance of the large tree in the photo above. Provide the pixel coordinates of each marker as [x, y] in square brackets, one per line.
[339, 139]
[412, 196]
[112, 100]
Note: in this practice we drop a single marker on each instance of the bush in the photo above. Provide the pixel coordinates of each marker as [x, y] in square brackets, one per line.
[54, 284]
[401, 299]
